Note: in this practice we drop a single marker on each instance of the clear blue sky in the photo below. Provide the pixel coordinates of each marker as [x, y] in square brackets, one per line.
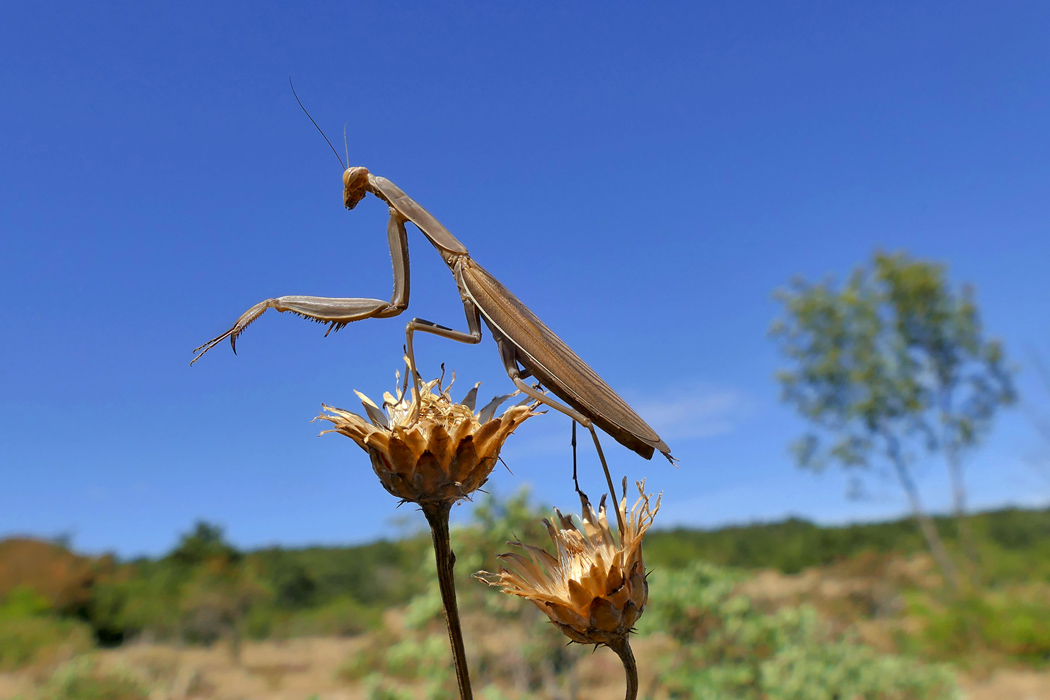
[642, 179]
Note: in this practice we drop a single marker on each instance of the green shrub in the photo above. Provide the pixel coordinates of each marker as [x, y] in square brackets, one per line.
[425, 657]
[417, 657]
[378, 689]
[41, 640]
[82, 679]
[144, 599]
[1009, 624]
[341, 617]
[31, 633]
[23, 602]
[361, 664]
[729, 648]
[369, 659]
[1014, 544]
[493, 692]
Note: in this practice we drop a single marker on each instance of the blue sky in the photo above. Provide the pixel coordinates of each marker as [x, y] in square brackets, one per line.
[643, 180]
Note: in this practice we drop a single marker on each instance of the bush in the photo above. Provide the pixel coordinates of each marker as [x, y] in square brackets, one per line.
[30, 633]
[378, 689]
[729, 648]
[82, 679]
[62, 578]
[419, 657]
[370, 659]
[41, 640]
[342, 617]
[1010, 624]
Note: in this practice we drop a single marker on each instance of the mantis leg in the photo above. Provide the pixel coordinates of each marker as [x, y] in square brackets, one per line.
[472, 336]
[510, 364]
[334, 312]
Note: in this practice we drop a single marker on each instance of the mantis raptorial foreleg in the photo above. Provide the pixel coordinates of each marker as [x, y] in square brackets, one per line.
[335, 312]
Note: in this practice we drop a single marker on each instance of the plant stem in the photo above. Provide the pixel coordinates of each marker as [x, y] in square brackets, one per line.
[630, 666]
[437, 516]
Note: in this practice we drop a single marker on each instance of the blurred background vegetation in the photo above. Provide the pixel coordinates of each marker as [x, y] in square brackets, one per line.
[746, 611]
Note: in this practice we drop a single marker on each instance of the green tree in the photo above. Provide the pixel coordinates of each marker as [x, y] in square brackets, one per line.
[207, 541]
[219, 588]
[293, 587]
[216, 601]
[892, 361]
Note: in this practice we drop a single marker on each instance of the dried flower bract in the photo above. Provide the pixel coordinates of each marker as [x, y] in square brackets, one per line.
[594, 590]
[430, 449]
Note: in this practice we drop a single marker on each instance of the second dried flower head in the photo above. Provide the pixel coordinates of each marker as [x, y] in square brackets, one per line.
[594, 589]
[429, 448]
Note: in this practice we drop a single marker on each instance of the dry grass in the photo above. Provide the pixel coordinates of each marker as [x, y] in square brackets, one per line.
[301, 668]
[298, 669]
[864, 593]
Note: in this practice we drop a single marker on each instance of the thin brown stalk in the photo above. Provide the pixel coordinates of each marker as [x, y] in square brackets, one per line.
[437, 516]
[630, 666]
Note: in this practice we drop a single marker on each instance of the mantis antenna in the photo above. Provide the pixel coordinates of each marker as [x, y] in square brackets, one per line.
[317, 127]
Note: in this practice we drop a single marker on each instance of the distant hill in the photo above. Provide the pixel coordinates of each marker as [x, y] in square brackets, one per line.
[204, 588]
[1015, 542]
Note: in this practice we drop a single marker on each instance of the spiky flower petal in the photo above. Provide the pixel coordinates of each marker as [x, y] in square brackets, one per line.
[594, 589]
[429, 448]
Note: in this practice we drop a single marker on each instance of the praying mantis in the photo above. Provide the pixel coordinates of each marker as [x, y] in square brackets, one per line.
[527, 347]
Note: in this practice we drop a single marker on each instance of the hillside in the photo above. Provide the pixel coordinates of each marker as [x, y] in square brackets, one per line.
[861, 595]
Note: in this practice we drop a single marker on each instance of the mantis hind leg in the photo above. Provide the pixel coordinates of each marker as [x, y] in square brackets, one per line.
[510, 364]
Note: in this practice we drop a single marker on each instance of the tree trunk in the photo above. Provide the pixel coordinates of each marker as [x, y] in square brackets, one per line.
[950, 440]
[926, 524]
[962, 517]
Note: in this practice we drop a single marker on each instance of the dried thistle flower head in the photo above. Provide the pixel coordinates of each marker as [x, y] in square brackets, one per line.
[430, 449]
[594, 590]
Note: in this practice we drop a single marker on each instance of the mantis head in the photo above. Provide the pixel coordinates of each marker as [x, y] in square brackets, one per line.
[355, 185]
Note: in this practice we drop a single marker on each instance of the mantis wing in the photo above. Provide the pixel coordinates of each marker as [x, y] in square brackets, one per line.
[554, 364]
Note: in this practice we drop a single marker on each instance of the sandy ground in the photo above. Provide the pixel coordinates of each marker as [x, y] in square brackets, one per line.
[1010, 685]
[292, 670]
[303, 668]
